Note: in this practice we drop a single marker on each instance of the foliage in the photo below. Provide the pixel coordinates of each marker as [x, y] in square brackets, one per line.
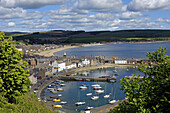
[24, 104]
[13, 77]
[152, 94]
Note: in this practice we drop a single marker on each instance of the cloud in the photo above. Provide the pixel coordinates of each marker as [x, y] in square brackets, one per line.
[11, 24]
[130, 15]
[148, 5]
[29, 4]
[11, 13]
[34, 15]
[163, 20]
[100, 5]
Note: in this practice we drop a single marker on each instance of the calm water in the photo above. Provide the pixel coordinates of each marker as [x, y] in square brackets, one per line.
[72, 93]
[134, 50]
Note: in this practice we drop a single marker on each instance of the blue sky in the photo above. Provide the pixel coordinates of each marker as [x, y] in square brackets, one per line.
[88, 15]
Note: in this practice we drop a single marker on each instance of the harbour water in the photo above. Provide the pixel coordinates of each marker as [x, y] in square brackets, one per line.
[130, 50]
[72, 93]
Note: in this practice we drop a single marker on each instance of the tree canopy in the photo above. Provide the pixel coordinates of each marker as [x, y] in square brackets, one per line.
[152, 94]
[13, 75]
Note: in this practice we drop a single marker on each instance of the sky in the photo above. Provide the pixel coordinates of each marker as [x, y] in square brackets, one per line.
[88, 15]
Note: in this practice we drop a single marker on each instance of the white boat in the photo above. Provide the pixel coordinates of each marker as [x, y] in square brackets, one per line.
[112, 101]
[80, 103]
[62, 84]
[87, 111]
[112, 81]
[95, 97]
[106, 96]
[59, 89]
[53, 90]
[97, 87]
[63, 102]
[115, 71]
[88, 94]
[89, 108]
[99, 91]
[57, 106]
[127, 69]
[83, 87]
[59, 95]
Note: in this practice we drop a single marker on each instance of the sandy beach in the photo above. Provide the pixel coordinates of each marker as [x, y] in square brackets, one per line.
[50, 53]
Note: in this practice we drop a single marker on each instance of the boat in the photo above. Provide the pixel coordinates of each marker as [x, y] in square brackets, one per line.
[53, 90]
[56, 100]
[80, 103]
[57, 106]
[115, 71]
[95, 97]
[88, 94]
[127, 69]
[83, 87]
[87, 111]
[59, 89]
[99, 91]
[112, 81]
[62, 85]
[78, 79]
[89, 108]
[63, 102]
[112, 101]
[59, 95]
[97, 87]
[106, 96]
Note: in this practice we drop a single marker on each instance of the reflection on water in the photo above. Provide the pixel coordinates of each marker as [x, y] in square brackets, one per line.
[72, 93]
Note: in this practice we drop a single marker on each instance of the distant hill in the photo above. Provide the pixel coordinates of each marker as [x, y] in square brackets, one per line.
[60, 36]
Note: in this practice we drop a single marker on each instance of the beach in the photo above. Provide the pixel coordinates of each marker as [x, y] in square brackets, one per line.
[51, 52]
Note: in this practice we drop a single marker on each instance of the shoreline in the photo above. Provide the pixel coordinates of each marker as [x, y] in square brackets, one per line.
[50, 53]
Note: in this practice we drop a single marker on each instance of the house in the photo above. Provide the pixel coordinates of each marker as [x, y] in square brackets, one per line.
[85, 62]
[131, 61]
[120, 61]
[57, 67]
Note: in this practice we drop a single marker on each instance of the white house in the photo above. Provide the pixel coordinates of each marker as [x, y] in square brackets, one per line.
[120, 61]
[57, 67]
[71, 66]
[86, 62]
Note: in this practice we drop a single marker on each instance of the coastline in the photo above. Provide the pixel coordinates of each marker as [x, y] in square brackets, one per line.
[50, 53]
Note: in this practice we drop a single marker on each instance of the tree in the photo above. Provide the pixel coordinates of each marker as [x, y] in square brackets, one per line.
[13, 75]
[152, 94]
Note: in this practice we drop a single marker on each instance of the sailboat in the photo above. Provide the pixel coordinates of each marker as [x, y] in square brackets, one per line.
[108, 95]
[79, 103]
[113, 100]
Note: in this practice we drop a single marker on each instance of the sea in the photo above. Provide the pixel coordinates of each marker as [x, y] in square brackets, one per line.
[72, 93]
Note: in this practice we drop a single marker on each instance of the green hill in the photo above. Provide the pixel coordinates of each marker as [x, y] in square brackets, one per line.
[60, 36]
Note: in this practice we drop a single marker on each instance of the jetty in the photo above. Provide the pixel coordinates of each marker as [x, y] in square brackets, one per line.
[83, 78]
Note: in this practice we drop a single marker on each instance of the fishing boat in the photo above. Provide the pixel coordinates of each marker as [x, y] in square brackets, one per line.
[106, 96]
[88, 94]
[99, 91]
[95, 97]
[78, 79]
[57, 106]
[63, 102]
[56, 100]
[80, 103]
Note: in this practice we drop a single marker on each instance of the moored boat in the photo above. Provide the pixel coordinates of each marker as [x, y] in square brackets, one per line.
[99, 91]
[97, 87]
[106, 96]
[80, 103]
[56, 100]
[83, 87]
[95, 97]
[112, 101]
[63, 102]
[88, 94]
[57, 106]
[59, 89]
[78, 79]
